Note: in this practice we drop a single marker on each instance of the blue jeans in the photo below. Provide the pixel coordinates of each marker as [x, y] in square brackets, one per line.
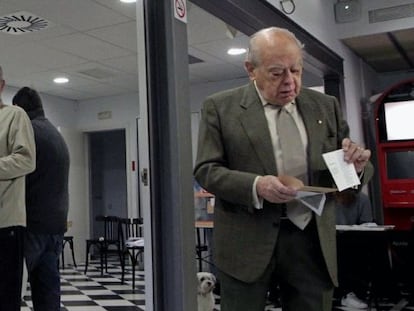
[11, 267]
[42, 253]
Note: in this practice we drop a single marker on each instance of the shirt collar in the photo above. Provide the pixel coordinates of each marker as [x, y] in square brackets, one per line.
[289, 107]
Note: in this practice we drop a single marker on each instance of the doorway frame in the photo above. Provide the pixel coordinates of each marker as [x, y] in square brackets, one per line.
[167, 54]
[92, 216]
[131, 177]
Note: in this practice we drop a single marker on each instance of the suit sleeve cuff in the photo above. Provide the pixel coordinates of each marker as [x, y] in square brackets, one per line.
[257, 202]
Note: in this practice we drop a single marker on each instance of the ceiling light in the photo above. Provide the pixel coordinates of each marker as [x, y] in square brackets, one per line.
[60, 80]
[236, 51]
[128, 1]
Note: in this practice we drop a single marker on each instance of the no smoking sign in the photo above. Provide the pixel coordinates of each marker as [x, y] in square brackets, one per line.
[180, 10]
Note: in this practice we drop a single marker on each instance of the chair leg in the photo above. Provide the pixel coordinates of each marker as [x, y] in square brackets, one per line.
[101, 253]
[123, 269]
[88, 245]
[106, 261]
[122, 262]
[63, 256]
[73, 253]
[133, 263]
[133, 276]
[198, 250]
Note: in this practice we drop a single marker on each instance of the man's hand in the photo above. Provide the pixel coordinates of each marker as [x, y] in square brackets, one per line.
[356, 154]
[271, 189]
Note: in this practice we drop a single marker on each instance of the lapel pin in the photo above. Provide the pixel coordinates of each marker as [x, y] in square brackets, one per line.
[319, 121]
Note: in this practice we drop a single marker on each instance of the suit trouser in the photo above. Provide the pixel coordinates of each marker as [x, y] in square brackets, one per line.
[300, 269]
[11, 267]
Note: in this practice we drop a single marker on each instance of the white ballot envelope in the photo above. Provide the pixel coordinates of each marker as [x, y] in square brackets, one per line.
[343, 173]
[312, 197]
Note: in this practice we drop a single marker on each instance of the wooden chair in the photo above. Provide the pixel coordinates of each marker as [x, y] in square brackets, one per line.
[68, 240]
[132, 244]
[108, 243]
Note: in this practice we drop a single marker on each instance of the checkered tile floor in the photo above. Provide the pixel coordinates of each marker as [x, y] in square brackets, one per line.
[96, 292]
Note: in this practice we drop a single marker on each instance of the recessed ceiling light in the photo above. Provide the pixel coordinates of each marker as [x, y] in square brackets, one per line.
[236, 51]
[60, 80]
[128, 1]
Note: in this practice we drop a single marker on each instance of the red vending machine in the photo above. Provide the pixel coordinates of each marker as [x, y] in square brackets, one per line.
[395, 146]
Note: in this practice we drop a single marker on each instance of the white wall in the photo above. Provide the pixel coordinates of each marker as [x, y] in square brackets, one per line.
[124, 111]
[199, 91]
[360, 81]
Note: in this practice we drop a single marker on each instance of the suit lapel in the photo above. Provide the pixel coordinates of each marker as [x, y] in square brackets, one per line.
[309, 112]
[254, 123]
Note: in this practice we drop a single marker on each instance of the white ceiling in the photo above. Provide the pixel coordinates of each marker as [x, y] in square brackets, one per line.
[94, 43]
[99, 37]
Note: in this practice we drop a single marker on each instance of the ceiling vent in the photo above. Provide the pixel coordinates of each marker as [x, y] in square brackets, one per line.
[97, 73]
[22, 22]
[391, 13]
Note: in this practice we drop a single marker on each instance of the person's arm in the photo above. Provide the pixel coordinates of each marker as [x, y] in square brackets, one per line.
[212, 168]
[353, 151]
[22, 157]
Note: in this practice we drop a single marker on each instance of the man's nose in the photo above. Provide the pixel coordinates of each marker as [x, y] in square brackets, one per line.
[288, 77]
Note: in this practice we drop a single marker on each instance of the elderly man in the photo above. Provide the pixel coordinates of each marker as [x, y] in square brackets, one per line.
[17, 158]
[248, 138]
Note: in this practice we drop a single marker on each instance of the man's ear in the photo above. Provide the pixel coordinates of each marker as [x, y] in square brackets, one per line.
[250, 70]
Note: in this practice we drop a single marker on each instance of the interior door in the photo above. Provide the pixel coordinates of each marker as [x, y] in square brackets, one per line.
[107, 176]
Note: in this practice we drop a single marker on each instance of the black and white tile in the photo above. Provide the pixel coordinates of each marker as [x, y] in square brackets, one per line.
[96, 292]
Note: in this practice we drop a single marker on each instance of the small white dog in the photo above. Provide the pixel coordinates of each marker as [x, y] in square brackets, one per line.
[205, 297]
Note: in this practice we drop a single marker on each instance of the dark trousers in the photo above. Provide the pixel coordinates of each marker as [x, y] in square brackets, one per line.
[298, 266]
[42, 253]
[11, 267]
[353, 268]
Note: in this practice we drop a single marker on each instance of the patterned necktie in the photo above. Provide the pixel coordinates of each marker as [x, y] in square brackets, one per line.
[294, 163]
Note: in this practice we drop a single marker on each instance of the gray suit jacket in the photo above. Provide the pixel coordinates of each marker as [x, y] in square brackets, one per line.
[234, 147]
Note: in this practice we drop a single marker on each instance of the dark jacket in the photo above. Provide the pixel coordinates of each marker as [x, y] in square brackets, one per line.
[47, 197]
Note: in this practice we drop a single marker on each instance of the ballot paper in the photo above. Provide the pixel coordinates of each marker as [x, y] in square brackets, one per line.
[313, 200]
[343, 173]
[312, 197]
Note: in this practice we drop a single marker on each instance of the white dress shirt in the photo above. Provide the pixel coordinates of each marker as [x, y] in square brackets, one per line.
[270, 114]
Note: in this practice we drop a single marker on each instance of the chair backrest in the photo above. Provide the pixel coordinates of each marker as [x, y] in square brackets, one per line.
[110, 227]
[130, 228]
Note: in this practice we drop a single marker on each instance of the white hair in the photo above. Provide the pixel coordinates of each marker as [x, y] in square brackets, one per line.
[253, 55]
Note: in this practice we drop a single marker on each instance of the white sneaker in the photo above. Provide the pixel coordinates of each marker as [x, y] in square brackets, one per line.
[350, 300]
